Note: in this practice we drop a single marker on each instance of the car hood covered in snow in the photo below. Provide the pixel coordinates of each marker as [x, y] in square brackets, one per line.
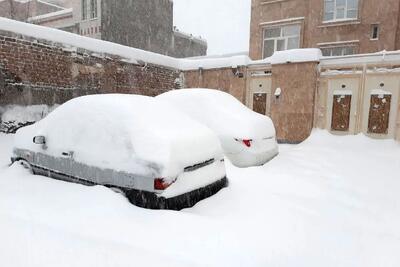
[221, 112]
[136, 134]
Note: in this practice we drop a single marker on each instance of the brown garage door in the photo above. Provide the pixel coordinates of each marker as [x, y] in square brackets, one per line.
[341, 112]
[260, 103]
[379, 111]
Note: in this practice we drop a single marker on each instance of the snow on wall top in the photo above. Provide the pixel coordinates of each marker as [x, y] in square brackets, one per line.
[134, 55]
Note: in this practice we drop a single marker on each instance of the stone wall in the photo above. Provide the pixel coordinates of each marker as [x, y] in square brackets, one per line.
[34, 72]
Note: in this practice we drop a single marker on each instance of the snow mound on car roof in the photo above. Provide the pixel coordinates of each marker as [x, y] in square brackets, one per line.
[221, 112]
[124, 132]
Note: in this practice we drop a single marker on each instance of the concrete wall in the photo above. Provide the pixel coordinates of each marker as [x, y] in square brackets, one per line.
[144, 24]
[315, 32]
[22, 11]
[187, 46]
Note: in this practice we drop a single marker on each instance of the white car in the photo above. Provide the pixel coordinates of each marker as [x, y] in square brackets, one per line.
[247, 138]
[155, 155]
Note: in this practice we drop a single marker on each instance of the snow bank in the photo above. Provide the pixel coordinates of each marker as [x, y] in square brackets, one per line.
[330, 201]
[128, 133]
[221, 112]
[14, 117]
[25, 113]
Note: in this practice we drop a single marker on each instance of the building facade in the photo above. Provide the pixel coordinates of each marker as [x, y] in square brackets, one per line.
[143, 24]
[337, 27]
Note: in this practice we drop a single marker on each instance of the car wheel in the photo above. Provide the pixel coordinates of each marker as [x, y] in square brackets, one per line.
[25, 164]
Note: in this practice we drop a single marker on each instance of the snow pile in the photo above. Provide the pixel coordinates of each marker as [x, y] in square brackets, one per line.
[212, 63]
[221, 112]
[127, 133]
[330, 201]
[295, 55]
[14, 117]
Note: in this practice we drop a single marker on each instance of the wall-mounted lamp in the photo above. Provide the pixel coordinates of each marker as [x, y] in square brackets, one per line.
[278, 92]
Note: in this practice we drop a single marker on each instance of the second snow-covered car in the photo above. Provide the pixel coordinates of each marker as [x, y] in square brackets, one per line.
[247, 138]
[156, 155]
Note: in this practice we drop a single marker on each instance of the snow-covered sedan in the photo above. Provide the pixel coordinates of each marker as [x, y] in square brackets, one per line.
[157, 156]
[247, 138]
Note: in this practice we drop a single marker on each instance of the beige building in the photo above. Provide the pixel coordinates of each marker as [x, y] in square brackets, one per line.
[337, 27]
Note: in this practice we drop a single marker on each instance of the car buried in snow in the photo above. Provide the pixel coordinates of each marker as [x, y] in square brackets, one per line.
[157, 156]
[247, 138]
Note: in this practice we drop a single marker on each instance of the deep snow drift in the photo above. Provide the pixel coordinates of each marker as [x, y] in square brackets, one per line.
[331, 201]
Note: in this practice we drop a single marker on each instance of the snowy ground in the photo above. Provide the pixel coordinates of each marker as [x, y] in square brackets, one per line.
[331, 201]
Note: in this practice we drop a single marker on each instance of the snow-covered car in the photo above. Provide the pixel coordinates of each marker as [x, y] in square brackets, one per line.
[157, 156]
[247, 138]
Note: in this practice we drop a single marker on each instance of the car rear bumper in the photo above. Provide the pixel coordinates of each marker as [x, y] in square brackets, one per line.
[248, 159]
[151, 200]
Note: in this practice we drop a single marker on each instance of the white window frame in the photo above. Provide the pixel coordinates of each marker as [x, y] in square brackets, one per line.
[343, 47]
[346, 9]
[372, 31]
[89, 10]
[281, 37]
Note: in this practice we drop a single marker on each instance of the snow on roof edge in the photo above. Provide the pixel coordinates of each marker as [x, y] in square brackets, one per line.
[51, 15]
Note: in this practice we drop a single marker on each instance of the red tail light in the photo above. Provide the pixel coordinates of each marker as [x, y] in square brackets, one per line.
[161, 184]
[247, 142]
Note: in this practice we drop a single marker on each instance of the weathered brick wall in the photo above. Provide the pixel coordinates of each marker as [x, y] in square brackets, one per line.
[34, 72]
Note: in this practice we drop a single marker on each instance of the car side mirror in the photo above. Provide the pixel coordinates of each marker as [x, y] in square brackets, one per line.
[39, 140]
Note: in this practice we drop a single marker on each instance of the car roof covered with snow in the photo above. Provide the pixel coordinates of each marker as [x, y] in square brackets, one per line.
[221, 112]
[122, 132]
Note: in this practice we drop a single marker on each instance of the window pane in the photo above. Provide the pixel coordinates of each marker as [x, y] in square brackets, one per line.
[272, 32]
[326, 52]
[337, 51]
[348, 50]
[280, 45]
[329, 6]
[291, 30]
[293, 43]
[328, 16]
[340, 3]
[352, 4]
[352, 14]
[269, 48]
[340, 13]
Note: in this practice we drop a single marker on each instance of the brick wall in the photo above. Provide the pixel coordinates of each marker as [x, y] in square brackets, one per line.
[223, 79]
[34, 72]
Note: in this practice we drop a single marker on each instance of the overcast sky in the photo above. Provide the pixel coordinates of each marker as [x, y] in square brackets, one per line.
[224, 23]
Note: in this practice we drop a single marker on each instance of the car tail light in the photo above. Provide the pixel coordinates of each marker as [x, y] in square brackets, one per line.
[161, 184]
[247, 142]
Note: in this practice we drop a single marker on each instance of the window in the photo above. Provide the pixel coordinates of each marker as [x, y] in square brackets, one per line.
[280, 38]
[374, 31]
[84, 10]
[93, 9]
[338, 51]
[340, 10]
